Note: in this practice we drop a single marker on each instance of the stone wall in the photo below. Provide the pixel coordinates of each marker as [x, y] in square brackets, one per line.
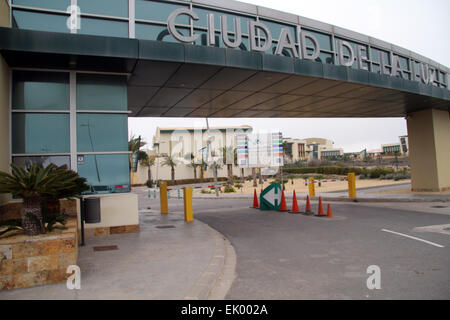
[11, 210]
[27, 261]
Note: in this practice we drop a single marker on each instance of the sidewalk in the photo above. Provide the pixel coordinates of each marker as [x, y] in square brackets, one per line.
[177, 261]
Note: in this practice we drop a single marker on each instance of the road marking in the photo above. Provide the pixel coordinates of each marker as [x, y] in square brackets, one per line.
[418, 239]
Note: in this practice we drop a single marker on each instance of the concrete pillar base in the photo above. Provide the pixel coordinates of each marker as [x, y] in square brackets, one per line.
[429, 136]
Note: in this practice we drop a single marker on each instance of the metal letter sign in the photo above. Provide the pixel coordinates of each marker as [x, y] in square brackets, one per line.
[271, 198]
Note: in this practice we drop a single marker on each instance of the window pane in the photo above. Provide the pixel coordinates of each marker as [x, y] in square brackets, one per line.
[105, 172]
[160, 33]
[101, 92]
[40, 90]
[275, 29]
[46, 4]
[323, 39]
[102, 132]
[40, 21]
[159, 11]
[40, 133]
[202, 22]
[44, 161]
[102, 27]
[117, 8]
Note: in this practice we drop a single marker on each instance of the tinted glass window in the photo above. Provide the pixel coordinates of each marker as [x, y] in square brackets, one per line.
[102, 132]
[38, 90]
[159, 11]
[44, 161]
[103, 172]
[159, 33]
[101, 92]
[117, 8]
[40, 21]
[102, 27]
[40, 133]
[47, 4]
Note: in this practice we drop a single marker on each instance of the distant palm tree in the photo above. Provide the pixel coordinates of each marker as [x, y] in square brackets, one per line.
[169, 161]
[148, 162]
[135, 145]
[228, 153]
[192, 163]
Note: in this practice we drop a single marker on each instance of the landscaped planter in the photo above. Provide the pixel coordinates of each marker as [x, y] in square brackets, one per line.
[27, 261]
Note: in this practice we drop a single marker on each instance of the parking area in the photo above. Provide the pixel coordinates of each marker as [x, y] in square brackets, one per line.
[284, 256]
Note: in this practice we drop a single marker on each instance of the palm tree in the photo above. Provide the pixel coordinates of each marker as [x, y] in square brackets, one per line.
[36, 182]
[172, 163]
[192, 163]
[135, 145]
[228, 153]
[148, 162]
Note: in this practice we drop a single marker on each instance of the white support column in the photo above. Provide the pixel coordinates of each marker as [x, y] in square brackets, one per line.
[73, 121]
[131, 17]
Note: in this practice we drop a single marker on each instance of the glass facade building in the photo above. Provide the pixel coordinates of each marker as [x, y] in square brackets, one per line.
[72, 118]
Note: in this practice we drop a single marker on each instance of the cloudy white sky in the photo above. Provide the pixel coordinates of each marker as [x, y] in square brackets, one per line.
[417, 25]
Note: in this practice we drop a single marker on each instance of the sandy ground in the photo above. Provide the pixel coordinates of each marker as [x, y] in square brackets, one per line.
[299, 185]
[408, 191]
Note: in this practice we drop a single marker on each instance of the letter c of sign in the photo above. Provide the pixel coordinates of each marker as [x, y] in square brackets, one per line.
[173, 30]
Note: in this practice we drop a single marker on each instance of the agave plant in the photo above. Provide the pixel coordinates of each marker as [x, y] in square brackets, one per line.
[35, 182]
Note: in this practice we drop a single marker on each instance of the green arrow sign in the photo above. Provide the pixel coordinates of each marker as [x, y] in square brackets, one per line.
[271, 197]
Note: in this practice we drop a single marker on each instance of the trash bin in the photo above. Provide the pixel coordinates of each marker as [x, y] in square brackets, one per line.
[91, 210]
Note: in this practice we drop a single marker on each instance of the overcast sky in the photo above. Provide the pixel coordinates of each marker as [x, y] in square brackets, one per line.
[417, 25]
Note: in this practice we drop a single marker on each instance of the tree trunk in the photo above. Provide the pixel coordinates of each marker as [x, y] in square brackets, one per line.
[242, 176]
[195, 173]
[255, 184]
[149, 173]
[260, 177]
[230, 173]
[202, 175]
[32, 216]
[51, 208]
[173, 175]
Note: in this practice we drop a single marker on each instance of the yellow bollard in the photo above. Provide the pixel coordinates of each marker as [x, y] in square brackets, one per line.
[188, 211]
[351, 186]
[163, 197]
[312, 190]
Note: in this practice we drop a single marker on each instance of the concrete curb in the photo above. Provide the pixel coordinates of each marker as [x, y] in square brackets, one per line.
[336, 199]
[218, 277]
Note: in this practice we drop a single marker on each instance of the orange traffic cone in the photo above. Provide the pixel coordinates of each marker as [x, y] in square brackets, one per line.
[255, 201]
[308, 206]
[294, 205]
[283, 207]
[320, 212]
[329, 212]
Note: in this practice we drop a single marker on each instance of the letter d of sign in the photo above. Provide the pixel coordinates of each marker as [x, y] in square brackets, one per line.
[286, 41]
[253, 26]
[351, 58]
[315, 48]
[173, 30]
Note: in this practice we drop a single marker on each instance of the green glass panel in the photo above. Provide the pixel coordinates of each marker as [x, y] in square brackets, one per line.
[323, 39]
[40, 21]
[203, 40]
[154, 32]
[40, 90]
[45, 4]
[101, 92]
[40, 133]
[375, 55]
[102, 132]
[159, 11]
[275, 29]
[376, 68]
[117, 8]
[325, 58]
[202, 22]
[25, 162]
[105, 170]
[102, 27]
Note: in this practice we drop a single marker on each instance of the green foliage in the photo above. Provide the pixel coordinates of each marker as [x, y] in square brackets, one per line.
[229, 189]
[58, 222]
[238, 185]
[375, 173]
[149, 183]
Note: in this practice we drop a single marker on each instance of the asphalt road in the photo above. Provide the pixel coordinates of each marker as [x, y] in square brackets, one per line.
[284, 256]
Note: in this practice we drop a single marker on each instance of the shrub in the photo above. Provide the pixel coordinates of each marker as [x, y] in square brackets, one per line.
[229, 190]
[149, 183]
[362, 177]
[238, 185]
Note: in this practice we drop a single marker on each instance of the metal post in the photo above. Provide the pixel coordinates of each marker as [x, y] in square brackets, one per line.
[188, 211]
[163, 197]
[351, 186]
[312, 191]
[214, 163]
[82, 220]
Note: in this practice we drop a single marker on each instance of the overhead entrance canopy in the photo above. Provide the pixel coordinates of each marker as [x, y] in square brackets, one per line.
[226, 59]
